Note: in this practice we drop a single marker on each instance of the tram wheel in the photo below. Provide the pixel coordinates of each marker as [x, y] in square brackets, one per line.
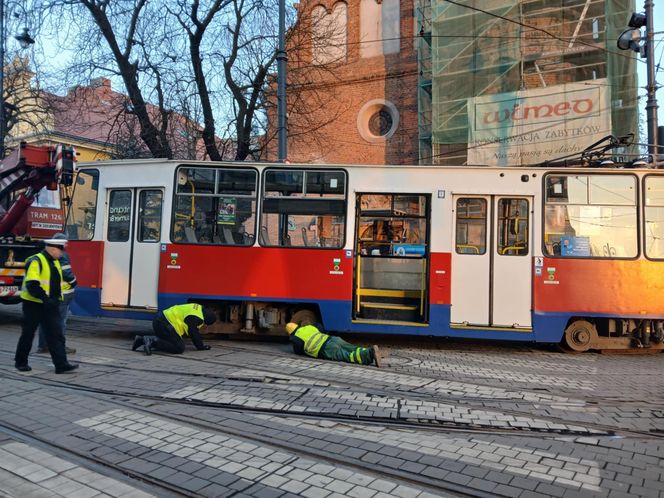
[579, 335]
[305, 317]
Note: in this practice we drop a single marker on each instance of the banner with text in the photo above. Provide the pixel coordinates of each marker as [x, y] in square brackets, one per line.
[531, 126]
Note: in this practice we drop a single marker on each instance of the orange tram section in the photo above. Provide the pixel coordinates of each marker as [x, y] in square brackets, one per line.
[569, 255]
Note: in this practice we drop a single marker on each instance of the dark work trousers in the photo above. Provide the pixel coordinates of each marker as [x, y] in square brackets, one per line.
[169, 340]
[35, 314]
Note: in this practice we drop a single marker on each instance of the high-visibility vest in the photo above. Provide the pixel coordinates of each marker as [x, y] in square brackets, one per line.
[313, 339]
[39, 269]
[176, 315]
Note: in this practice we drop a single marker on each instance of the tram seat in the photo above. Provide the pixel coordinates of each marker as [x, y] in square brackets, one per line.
[228, 235]
[263, 237]
[190, 234]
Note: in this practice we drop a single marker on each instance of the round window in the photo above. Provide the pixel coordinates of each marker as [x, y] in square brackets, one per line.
[377, 120]
[380, 123]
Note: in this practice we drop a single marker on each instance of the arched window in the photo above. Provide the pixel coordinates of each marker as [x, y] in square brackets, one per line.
[379, 27]
[330, 34]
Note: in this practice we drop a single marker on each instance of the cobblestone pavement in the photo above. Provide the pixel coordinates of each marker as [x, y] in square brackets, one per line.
[252, 419]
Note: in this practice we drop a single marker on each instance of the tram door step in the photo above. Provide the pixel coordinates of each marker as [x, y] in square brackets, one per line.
[390, 306]
[403, 311]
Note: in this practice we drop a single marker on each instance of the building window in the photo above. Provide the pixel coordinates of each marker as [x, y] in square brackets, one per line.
[377, 120]
[330, 34]
[379, 27]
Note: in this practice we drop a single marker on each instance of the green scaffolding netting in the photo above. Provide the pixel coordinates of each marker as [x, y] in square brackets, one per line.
[476, 56]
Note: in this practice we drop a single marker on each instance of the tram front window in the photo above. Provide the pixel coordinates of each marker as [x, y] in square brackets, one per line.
[591, 216]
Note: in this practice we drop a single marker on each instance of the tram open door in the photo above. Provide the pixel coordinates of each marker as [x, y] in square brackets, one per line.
[131, 252]
[391, 258]
[491, 262]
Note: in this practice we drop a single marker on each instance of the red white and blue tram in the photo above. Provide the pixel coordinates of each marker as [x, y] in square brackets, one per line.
[526, 254]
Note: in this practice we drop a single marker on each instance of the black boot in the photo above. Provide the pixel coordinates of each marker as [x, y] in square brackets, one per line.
[149, 344]
[138, 342]
[66, 368]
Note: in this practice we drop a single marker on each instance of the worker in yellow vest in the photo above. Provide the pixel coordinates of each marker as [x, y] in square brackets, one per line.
[308, 340]
[172, 324]
[41, 294]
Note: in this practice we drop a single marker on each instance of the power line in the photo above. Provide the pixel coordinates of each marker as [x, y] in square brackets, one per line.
[552, 35]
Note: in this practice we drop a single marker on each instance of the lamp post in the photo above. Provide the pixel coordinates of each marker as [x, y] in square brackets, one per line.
[282, 125]
[631, 39]
[25, 40]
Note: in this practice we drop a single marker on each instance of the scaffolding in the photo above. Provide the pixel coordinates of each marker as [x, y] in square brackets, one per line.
[476, 53]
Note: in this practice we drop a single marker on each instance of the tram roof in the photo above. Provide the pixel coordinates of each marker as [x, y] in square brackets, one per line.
[259, 164]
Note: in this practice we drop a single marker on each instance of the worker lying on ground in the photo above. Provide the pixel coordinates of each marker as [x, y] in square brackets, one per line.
[307, 339]
[171, 325]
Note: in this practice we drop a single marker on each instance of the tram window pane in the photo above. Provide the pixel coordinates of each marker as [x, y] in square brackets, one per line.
[196, 180]
[284, 182]
[654, 217]
[599, 224]
[302, 230]
[567, 189]
[513, 224]
[655, 232]
[231, 181]
[119, 216]
[149, 216]
[613, 190]
[194, 219]
[654, 191]
[326, 183]
[471, 221]
[591, 231]
[83, 211]
[414, 205]
[236, 221]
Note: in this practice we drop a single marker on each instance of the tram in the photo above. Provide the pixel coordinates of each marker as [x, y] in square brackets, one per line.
[571, 255]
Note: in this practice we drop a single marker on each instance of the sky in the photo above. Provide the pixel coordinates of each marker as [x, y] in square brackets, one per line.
[56, 57]
[659, 59]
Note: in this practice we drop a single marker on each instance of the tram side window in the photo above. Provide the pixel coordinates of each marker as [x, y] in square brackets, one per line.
[119, 216]
[215, 206]
[591, 216]
[392, 225]
[654, 216]
[471, 222]
[513, 225]
[303, 208]
[83, 210]
[149, 216]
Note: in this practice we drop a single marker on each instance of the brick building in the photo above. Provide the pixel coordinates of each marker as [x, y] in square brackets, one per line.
[464, 82]
[352, 84]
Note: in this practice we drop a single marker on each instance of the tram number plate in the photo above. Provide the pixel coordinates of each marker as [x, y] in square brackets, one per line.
[10, 290]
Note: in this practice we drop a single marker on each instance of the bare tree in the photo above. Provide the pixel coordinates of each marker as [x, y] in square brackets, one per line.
[184, 62]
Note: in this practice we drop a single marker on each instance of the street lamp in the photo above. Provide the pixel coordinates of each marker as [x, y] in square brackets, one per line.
[25, 40]
[632, 39]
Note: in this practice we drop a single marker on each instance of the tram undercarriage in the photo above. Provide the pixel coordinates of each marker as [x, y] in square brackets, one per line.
[605, 334]
[258, 318]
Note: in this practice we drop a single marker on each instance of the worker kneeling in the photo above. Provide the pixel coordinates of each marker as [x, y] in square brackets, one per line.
[307, 339]
[171, 325]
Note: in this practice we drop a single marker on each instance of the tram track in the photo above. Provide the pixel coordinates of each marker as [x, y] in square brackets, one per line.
[587, 429]
[93, 463]
[375, 469]
[432, 376]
